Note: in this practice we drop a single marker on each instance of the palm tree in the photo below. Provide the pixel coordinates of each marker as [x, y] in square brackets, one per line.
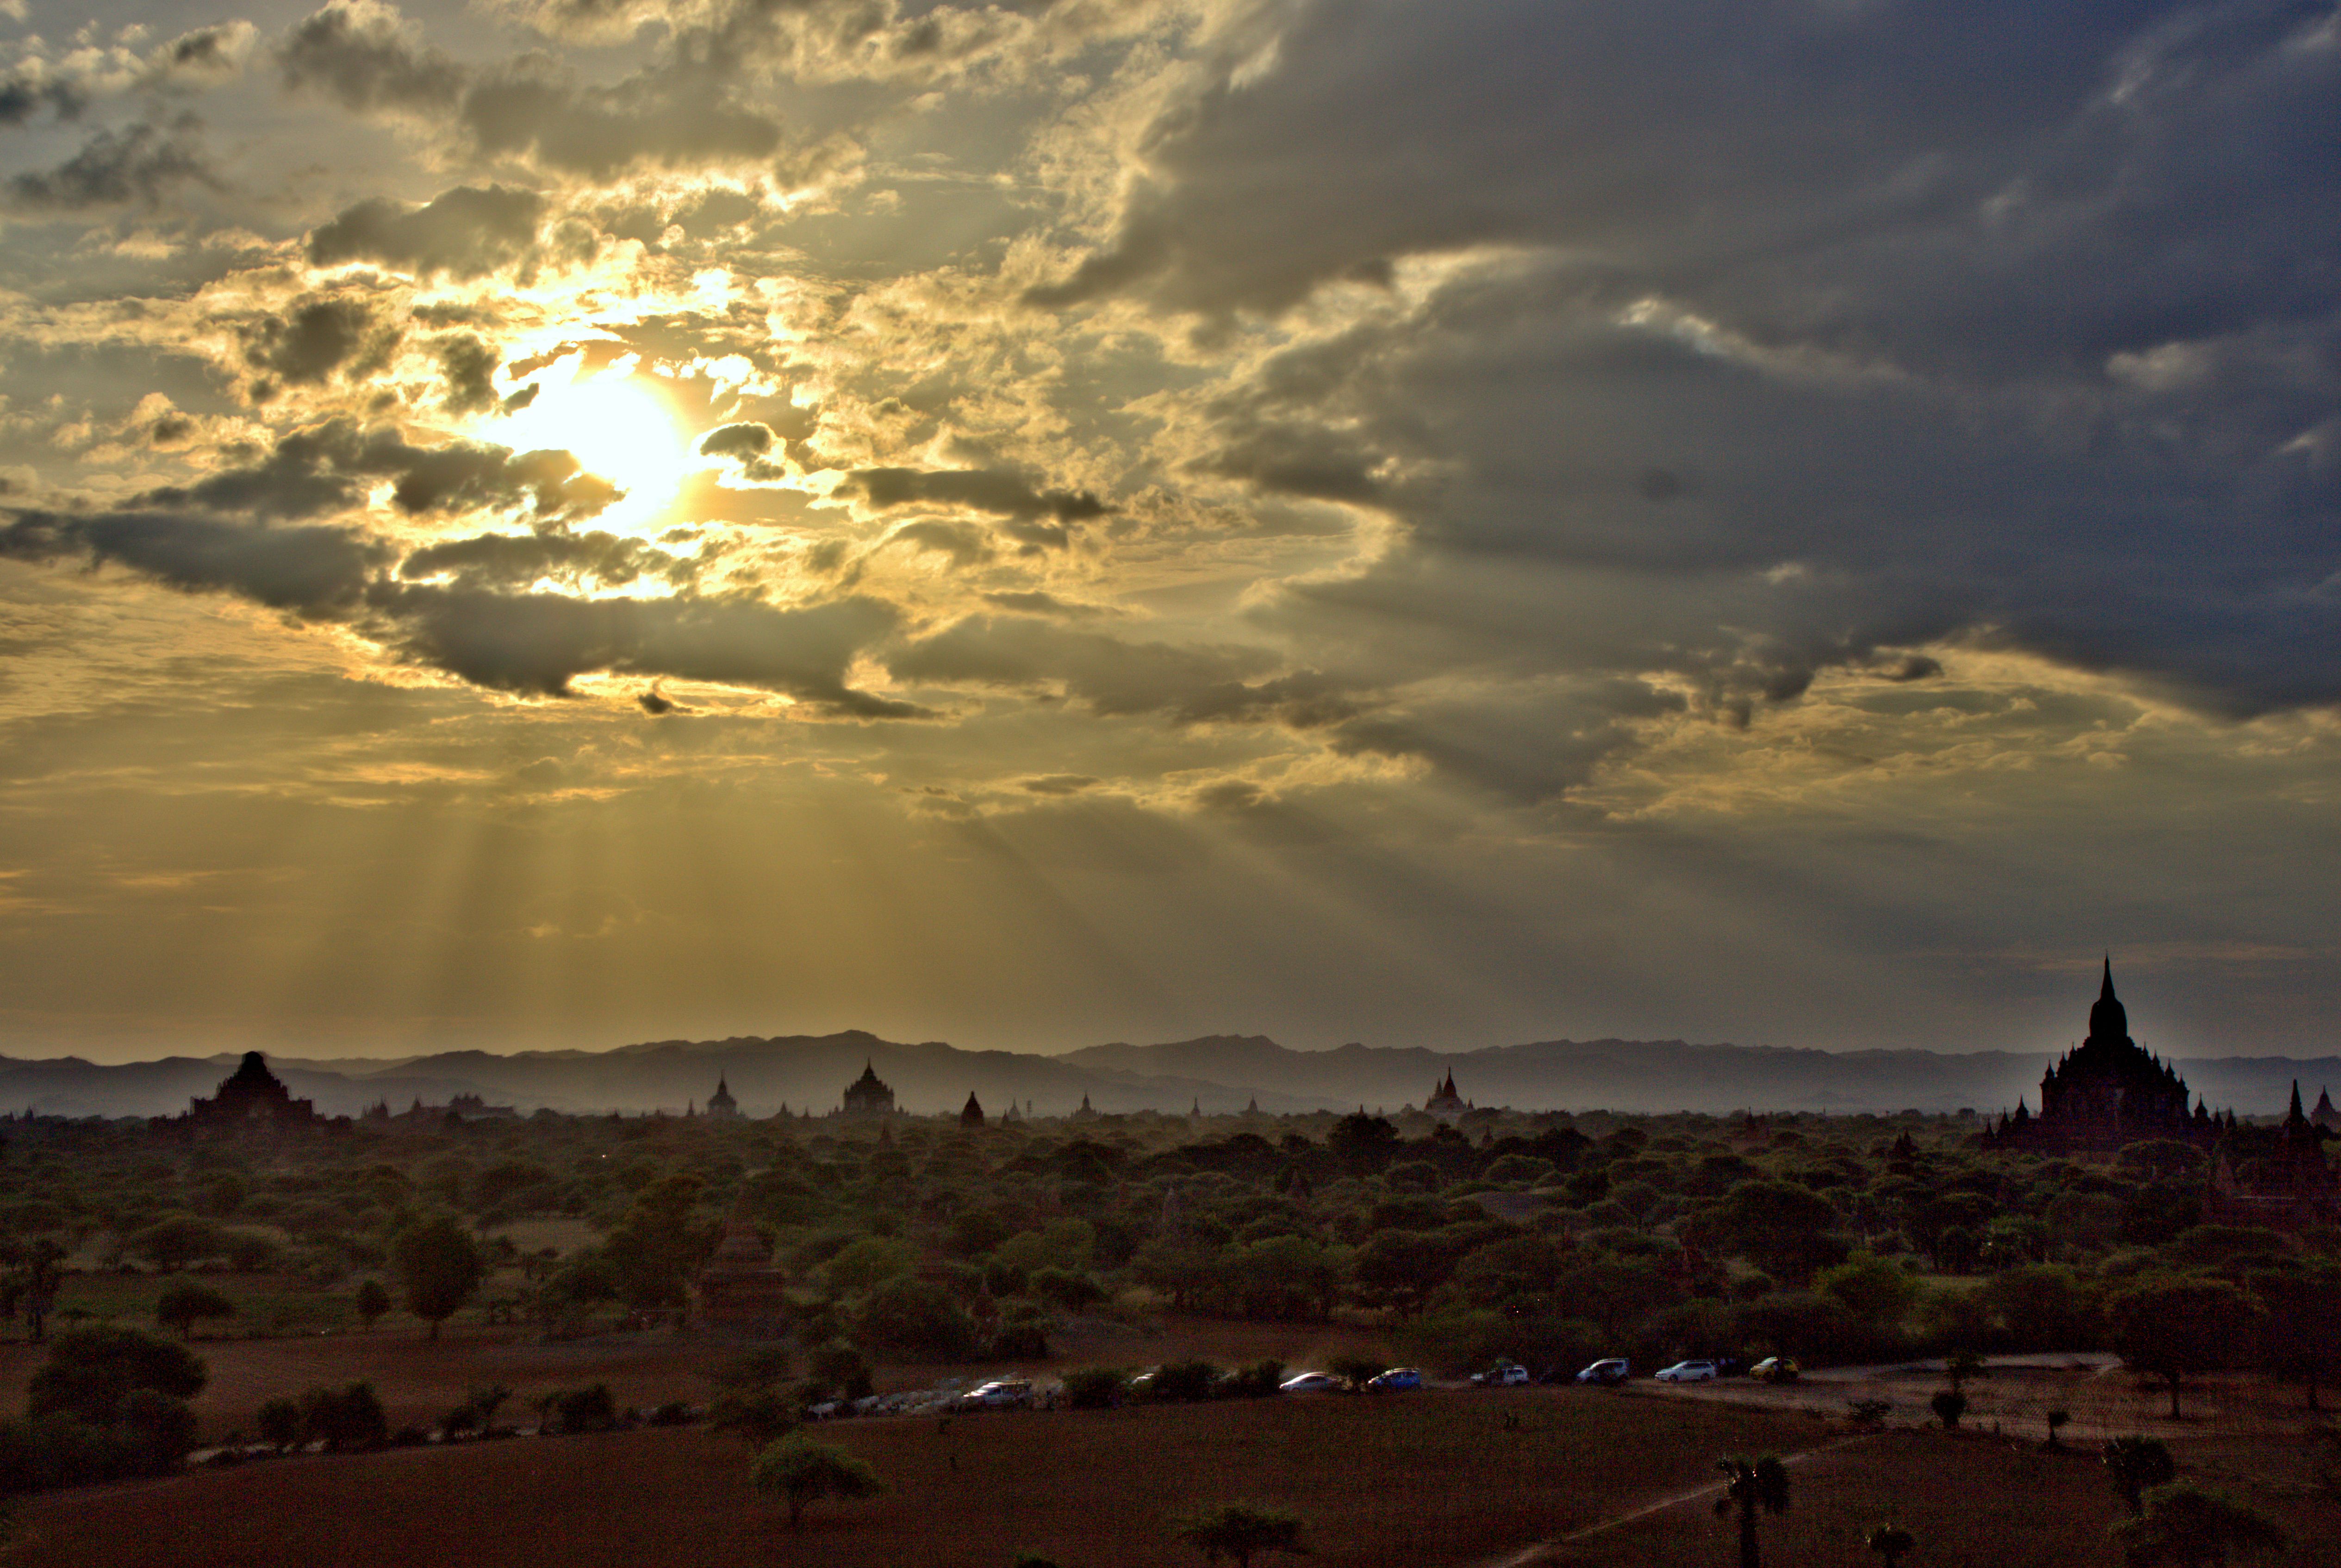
[1754, 1483]
[1892, 1542]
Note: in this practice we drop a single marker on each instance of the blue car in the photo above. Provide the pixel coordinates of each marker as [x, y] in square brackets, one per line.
[1397, 1380]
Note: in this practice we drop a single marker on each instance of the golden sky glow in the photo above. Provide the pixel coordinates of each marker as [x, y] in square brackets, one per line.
[556, 523]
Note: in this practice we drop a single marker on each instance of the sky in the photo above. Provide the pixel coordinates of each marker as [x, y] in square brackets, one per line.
[556, 523]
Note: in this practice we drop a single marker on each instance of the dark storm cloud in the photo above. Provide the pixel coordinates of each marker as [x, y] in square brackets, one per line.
[466, 232]
[332, 466]
[746, 443]
[134, 166]
[1848, 329]
[529, 641]
[539, 643]
[315, 571]
[681, 112]
[1524, 746]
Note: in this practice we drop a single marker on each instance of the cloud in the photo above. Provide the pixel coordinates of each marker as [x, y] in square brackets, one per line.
[511, 560]
[316, 571]
[136, 166]
[470, 367]
[317, 337]
[464, 233]
[1116, 678]
[995, 490]
[539, 643]
[332, 466]
[682, 112]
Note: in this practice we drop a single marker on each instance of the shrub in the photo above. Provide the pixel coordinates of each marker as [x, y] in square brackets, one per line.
[1184, 1382]
[1261, 1380]
[345, 1418]
[1094, 1387]
[915, 1317]
[1948, 1406]
[1066, 1288]
[568, 1410]
[279, 1424]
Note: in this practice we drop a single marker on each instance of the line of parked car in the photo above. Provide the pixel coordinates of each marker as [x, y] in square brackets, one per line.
[1016, 1393]
[1617, 1368]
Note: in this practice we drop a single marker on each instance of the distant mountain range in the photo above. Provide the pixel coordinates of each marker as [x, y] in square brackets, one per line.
[1224, 1072]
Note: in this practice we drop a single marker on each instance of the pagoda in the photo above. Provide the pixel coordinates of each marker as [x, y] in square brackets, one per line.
[2107, 1093]
[867, 1095]
[254, 1098]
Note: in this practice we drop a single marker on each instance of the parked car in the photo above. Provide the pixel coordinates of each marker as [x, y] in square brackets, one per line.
[1397, 1380]
[999, 1393]
[1774, 1369]
[1503, 1374]
[1687, 1372]
[1310, 1383]
[1615, 1369]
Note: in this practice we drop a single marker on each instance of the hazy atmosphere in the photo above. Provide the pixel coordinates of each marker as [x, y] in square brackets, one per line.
[558, 524]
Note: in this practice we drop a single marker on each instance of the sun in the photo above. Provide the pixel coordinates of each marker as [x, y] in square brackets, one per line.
[618, 425]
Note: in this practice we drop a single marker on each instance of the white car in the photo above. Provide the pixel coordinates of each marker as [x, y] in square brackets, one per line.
[1000, 1393]
[1310, 1383]
[1503, 1374]
[1688, 1372]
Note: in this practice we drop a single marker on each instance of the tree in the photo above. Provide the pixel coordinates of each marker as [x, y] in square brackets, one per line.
[1880, 1293]
[279, 1422]
[438, 1267]
[92, 1370]
[2134, 1466]
[1781, 1227]
[2302, 1331]
[180, 1240]
[1893, 1544]
[2184, 1524]
[798, 1471]
[1948, 1406]
[1960, 1365]
[345, 1418]
[1754, 1485]
[186, 1301]
[372, 1302]
[1238, 1531]
[2175, 1326]
[1354, 1369]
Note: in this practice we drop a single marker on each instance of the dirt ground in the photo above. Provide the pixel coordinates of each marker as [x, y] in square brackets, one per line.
[1419, 1480]
[2102, 1400]
[1529, 1479]
[420, 1380]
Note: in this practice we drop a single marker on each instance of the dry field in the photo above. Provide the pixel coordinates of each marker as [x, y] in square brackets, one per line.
[1423, 1480]
[420, 1380]
[1426, 1480]
[2102, 1398]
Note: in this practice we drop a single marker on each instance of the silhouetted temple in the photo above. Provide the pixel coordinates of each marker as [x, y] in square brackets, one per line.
[2107, 1093]
[867, 1095]
[252, 1097]
[720, 1104]
[2275, 1175]
[1444, 1101]
[971, 1114]
[740, 1287]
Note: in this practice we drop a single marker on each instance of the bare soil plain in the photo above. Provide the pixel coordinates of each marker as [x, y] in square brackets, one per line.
[419, 1379]
[1528, 1478]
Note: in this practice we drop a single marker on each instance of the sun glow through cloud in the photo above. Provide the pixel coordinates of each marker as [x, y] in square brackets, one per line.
[618, 425]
